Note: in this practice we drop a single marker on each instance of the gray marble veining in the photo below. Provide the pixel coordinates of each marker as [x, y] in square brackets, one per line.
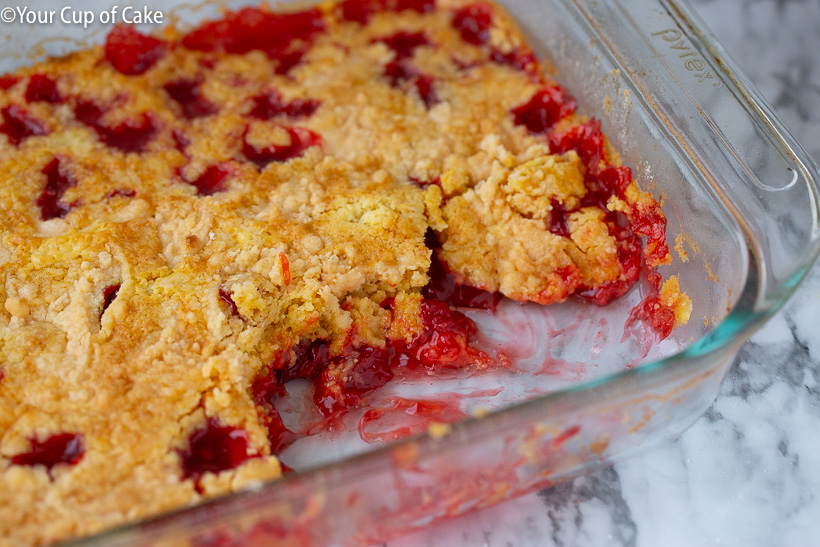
[748, 472]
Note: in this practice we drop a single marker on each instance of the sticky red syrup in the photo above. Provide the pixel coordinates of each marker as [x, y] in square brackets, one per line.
[444, 341]
[426, 91]
[586, 139]
[308, 359]
[419, 6]
[214, 448]
[67, 448]
[436, 181]
[130, 136]
[404, 43]
[19, 124]
[283, 37]
[363, 369]
[340, 382]
[131, 52]
[212, 180]
[652, 311]
[227, 299]
[43, 88]
[522, 59]
[473, 22]
[565, 435]
[6, 81]
[650, 222]
[629, 262]
[57, 182]
[548, 105]
[121, 192]
[187, 94]
[270, 105]
[403, 417]
[558, 222]
[109, 294]
[444, 286]
[300, 140]
[361, 11]
[399, 71]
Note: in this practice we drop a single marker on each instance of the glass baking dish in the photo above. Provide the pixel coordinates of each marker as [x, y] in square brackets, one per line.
[584, 391]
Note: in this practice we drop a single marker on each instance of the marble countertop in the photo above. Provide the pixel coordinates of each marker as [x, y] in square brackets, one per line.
[748, 472]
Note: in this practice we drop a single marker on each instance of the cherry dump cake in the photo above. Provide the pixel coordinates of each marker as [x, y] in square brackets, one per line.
[190, 221]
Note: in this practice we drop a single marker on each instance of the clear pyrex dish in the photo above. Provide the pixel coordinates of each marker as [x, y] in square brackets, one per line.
[741, 199]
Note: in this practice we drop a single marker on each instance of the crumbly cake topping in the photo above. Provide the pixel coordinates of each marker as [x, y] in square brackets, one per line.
[188, 222]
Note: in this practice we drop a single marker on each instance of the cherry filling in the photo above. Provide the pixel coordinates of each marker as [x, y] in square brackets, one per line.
[659, 316]
[270, 104]
[604, 180]
[300, 140]
[361, 11]
[308, 359]
[43, 88]
[121, 192]
[558, 221]
[181, 141]
[342, 380]
[419, 6]
[67, 448]
[305, 360]
[19, 125]
[109, 294]
[586, 139]
[444, 286]
[212, 180]
[129, 136]
[282, 36]
[444, 342]
[188, 96]
[132, 52]
[57, 182]
[473, 22]
[425, 183]
[520, 58]
[347, 378]
[6, 81]
[399, 71]
[547, 106]
[424, 86]
[404, 43]
[214, 448]
[227, 299]
[649, 221]
[629, 261]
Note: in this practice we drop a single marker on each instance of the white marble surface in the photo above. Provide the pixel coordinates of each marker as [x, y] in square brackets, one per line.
[748, 472]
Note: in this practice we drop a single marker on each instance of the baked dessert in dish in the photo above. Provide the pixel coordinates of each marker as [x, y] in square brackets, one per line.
[190, 221]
